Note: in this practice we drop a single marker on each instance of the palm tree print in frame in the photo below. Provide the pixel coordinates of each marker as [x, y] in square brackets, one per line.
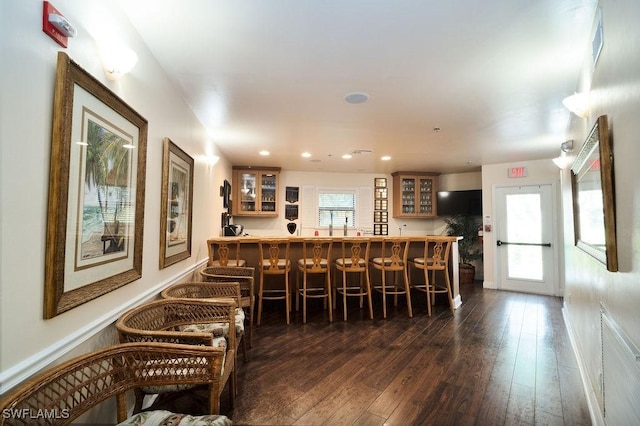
[96, 191]
[107, 208]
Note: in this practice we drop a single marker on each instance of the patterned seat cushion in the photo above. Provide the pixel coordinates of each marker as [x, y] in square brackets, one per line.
[167, 418]
[218, 329]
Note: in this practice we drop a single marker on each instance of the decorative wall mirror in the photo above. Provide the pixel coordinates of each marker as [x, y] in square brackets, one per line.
[594, 198]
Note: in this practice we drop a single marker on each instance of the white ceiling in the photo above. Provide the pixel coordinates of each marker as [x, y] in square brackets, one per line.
[273, 75]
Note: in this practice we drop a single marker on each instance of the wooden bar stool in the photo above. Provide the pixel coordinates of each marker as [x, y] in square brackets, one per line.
[353, 260]
[435, 258]
[316, 255]
[393, 258]
[274, 261]
[224, 252]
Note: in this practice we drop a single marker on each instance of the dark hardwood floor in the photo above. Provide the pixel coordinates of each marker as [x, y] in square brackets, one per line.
[503, 359]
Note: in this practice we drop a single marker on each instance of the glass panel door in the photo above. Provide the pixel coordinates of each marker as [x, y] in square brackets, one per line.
[248, 192]
[425, 194]
[526, 249]
[268, 192]
[408, 195]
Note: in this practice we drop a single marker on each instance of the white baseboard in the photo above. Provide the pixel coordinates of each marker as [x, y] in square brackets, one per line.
[589, 391]
[489, 285]
[457, 302]
[35, 363]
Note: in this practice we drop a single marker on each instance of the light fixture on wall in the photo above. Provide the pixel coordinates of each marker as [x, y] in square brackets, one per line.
[563, 161]
[578, 103]
[117, 60]
[213, 159]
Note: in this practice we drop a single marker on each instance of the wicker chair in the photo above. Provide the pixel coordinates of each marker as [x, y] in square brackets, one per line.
[212, 290]
[68, 390]
[243, 275]
[175, 321]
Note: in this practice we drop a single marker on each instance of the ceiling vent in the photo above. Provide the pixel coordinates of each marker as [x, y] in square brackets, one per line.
[360, 151]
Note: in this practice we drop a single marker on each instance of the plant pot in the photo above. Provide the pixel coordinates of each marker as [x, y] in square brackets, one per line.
[467, 273]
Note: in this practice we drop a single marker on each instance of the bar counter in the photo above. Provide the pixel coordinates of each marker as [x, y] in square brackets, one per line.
[249, 252]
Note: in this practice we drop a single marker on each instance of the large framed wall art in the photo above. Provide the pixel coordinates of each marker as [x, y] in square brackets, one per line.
[96, 191]
[594, 197]
[176, 205]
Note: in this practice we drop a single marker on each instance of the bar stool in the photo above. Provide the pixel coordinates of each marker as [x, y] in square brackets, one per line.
[435, 258]
[316, 254]
[353, 260]
[393, 258]
[224, 252]
[274, 261]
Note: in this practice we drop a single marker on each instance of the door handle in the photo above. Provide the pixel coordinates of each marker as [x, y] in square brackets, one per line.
[504, 243]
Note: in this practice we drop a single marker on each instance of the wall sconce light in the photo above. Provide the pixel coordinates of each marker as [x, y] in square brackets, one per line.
[563, 161]
[117, 60]
[578, 103]
[213, 159]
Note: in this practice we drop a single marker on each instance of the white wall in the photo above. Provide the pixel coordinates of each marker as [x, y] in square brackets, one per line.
[614, 87]
[27, 341]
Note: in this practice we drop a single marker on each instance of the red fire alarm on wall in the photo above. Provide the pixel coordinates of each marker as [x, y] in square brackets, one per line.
[56, 25]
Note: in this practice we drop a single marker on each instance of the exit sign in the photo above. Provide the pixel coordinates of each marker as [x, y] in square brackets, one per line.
[517, 172]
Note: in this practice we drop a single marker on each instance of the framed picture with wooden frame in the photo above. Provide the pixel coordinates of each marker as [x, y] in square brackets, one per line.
[96, 191]
[176, 205]
[594, 197]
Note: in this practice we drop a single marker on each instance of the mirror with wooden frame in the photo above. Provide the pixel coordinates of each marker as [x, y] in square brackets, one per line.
[594, 197]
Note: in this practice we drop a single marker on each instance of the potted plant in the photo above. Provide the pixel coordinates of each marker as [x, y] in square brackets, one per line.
[469, 248]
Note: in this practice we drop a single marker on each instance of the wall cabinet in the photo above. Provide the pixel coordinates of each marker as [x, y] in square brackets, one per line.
[414, 194]
[255, 191]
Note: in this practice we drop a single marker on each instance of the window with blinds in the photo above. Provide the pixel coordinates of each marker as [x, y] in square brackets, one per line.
[336, 206]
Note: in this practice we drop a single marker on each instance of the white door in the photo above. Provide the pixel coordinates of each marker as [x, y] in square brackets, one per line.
[526, 247]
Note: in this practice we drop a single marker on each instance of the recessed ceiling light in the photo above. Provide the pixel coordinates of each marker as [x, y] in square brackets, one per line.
[306, 154]
[385, 158]
[356, 98]
[264, 153]
[346, 156]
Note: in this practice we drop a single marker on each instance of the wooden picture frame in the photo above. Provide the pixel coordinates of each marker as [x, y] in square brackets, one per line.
[594, 197]
[176, 205]
[96, 191]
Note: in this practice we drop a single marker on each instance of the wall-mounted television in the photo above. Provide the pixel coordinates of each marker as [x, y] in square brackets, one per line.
[460, 202]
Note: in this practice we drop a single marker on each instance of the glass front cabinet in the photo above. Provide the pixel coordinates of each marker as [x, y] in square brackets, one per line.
[414, 194]
[255, 192]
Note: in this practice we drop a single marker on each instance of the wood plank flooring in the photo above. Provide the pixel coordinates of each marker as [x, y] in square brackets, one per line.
[503, 359]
